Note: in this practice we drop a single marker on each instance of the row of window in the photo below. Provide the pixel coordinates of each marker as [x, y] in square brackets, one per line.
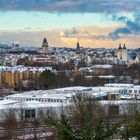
[40, 100]
[135, 91]
[132, 95]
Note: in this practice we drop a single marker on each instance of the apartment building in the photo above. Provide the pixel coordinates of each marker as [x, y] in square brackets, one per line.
[11, 77]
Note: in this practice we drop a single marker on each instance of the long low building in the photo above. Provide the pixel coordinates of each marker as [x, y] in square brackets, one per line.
[63, 95]
[28, 105]
[27, 109]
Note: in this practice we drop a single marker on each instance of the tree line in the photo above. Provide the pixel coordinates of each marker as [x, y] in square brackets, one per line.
[50, 80]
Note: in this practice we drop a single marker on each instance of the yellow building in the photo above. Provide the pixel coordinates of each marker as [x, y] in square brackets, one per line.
[7, 78]
[11, 79]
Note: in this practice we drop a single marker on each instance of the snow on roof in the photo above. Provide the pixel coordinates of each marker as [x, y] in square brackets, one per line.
[118, 102]
[102, 66]
[78, 88]
[61, 93]
[65, 93]
[128, 97]
[10, 104]
[107, 77]
[22, 68]
[119, 85]
[99, 94]
[107, 89]
[7, 102]
[46, 98]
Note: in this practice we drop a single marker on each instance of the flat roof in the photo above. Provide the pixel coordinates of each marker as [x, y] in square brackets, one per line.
[10, 104]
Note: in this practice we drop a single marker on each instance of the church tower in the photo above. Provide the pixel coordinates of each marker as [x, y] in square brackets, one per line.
[119, 53]
[78, 46]
[45, 46]
[122, 53]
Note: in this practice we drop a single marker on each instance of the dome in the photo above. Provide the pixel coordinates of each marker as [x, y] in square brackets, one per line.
[44, 40]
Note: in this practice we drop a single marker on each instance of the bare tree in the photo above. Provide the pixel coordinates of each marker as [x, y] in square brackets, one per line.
[130, 119]
[10, 124]
[84, 119]
[85, 109]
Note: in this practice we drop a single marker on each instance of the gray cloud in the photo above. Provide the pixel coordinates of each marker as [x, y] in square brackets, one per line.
[118, 32]
[132, 26]
[71, 5]
[76, 32]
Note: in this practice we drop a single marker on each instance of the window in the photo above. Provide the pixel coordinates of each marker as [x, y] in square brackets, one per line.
[135, 91]
[130, 91]
[32, 113]
[29, 114]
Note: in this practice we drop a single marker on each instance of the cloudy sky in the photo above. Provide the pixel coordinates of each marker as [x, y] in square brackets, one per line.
[94, 23]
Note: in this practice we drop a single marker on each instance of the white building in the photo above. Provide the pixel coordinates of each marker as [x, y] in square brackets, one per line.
[30, 104]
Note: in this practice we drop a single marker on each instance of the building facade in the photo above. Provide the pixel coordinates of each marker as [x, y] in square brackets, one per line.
[12, 77]
[45, 46]
[122, 53]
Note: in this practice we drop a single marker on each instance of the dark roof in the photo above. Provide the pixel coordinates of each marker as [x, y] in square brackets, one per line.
[124, 47]
[44, 40]
[120, 47]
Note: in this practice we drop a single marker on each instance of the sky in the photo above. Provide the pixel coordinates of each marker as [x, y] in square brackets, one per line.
[93, 23]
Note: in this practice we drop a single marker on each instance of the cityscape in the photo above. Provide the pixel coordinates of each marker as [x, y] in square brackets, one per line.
[69, 70]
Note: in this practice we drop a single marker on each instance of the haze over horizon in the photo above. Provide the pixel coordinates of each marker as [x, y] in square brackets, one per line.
[94, 23]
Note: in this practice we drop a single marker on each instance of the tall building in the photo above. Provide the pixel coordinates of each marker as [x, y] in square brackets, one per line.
[15, 44]
[122, 53]
[78, 46]
[45, 46]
